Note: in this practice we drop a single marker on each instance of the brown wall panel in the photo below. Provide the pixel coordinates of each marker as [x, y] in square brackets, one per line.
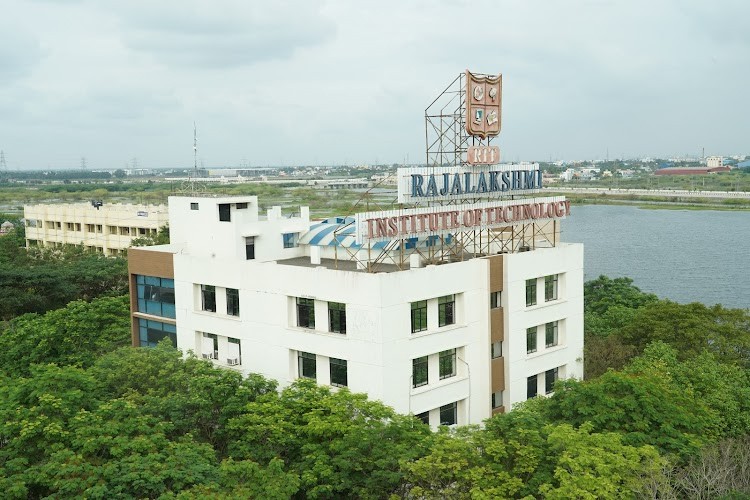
[498, 374]
[499, 409]
[497, 328]
[496, 273]
[150, 263]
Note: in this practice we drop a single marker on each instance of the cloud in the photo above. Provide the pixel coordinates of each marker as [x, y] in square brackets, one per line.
[221, 34]
[20, 52]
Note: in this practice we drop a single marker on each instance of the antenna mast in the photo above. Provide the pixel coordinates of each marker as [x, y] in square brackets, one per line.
[195, 150]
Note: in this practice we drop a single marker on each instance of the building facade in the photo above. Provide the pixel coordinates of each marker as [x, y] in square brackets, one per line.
[452, 343]
[104, 228]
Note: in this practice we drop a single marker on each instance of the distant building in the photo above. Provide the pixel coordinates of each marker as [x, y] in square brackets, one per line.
[691, 170]
[106, 228]
[714, 162]
[6, 227]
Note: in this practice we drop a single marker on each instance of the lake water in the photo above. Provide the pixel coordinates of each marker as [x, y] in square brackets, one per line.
[681, 255]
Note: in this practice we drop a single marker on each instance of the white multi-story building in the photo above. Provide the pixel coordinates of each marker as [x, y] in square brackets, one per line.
[715, 161]
[105, 228]
[451, 343]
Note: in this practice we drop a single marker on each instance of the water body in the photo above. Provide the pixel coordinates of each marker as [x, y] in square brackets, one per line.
[681, 255]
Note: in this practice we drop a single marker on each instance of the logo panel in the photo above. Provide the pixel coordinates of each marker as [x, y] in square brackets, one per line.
[483, 104]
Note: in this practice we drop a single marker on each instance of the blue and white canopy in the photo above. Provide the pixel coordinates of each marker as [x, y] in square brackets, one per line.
[339, 232]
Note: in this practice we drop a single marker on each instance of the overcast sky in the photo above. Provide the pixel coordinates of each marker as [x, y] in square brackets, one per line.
[330, 82]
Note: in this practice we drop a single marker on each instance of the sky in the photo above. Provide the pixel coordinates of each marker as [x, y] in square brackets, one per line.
[335, 82]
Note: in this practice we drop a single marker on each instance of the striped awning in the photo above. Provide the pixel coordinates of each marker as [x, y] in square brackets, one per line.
[339, 232]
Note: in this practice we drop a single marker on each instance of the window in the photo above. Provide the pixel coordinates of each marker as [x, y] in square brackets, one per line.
[530, 340]
[234, 352]
[208, 298]
[447, 364]
[550, 334]
[418, 316]
[419, 372]
[531, 387]
[155, 296]
[446, 309]
[497, 349]
[337, 317]
[210, 346]
[424, 417]
[233, 302]
[531, 292]
[193, 206]
[306, 365]
[338, 372]
[224, 212]
[550, 287]
[550, 377]
[497, 399]
[241, 206]
[152, 332]
[305, 313]
[449, 414]
[250, 248]
[495, 299]
[290, 240]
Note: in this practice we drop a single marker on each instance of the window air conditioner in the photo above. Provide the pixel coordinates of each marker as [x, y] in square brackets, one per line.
[233, 361]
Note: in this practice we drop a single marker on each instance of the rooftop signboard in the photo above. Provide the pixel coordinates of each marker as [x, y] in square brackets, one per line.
[450, 219]
[422, 184]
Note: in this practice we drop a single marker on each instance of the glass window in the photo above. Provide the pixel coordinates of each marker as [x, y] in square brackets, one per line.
[550, 334]
[550, 377]
[550, 287]
[250, 248]
[155, 296]
[419, 372]
[530, 340]
[418, 316]
[210, 347]
[306, 365]
[531, 387]
[497, 399]
[241, 206]
[152, 332]
[531, 292]
[424, 417]
[233, 302]
[497, 349]
[337, 317]
[338, 372]
[447, 364]
[495, 299]
[193, 206]
[224, 212]
[234, 356]
[449, 414]
[290, 240]
[208, 298]
[446, 310]
[305, 313]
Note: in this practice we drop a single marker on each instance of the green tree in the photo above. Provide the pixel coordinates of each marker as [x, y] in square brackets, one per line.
[340, 444]
[691, 329]
[75, 335]
[647, 408]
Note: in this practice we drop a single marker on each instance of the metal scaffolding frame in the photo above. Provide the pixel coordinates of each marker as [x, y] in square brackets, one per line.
[447, 142]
